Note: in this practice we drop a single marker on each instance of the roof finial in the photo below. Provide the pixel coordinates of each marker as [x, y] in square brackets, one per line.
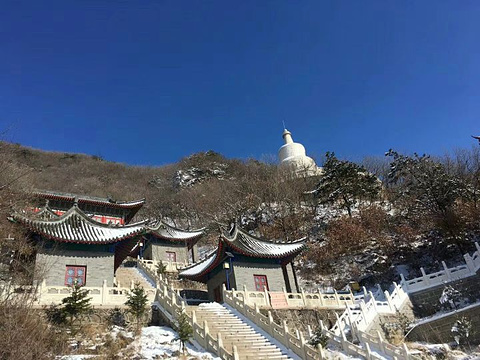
[284, 127]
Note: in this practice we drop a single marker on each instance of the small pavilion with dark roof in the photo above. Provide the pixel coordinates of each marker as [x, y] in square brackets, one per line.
[166, 243]
[75, 247]
[242, 260]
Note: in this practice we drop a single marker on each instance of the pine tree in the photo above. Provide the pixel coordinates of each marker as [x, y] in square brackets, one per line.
[450, 297]
[184, 330]
[161, 268]
[319, 338]
[425, 186]
[77, 304]
[346, 182]
[137, 302]
[462, 331]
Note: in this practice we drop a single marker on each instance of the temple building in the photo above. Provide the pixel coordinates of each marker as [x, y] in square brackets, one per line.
[293, 156]
[100, 209]
[166, 243]
[89, 240]
[75, 247]
[242, 260]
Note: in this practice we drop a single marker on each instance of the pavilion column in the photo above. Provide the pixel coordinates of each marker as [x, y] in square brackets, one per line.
[295, 277]
[287, 278]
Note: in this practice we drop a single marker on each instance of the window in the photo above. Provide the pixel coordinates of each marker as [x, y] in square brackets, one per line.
[75, 274]
[261, 283]
[171, 256]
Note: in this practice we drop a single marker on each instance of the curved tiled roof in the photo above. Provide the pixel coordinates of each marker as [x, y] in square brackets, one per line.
[164, 231]
[75, 226]
[91, 200]
[246, 244]
[250, 245]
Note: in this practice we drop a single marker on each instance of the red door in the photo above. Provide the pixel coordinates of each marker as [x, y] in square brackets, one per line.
[261, 283]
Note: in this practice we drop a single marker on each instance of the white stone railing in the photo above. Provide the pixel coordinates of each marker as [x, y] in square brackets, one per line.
[100, 296]
[174, 305]
[362, 315]
[378, 343]
[472, 265]
[286, 300]
[170, 266]
[295, 340]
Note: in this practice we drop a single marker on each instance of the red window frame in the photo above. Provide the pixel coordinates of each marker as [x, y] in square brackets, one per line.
[75, 273]
[261, 282]
[171, 255]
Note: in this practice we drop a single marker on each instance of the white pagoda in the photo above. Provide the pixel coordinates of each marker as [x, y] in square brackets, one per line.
[292, 155]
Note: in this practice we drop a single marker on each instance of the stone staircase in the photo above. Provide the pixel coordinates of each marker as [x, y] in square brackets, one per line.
[233, 331]
[125, 276]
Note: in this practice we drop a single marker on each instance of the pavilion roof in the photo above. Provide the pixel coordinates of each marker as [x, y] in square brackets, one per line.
[76, 227]
[45, 213]
[165, 231]
[82, 199]
[240, 241]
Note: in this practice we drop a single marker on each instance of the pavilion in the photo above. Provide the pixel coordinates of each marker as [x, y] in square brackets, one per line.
[243, 260]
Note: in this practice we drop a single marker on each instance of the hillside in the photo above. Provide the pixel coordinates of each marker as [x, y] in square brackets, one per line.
[431, 211]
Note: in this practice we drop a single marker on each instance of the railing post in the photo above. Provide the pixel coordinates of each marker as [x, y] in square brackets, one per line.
[374, 302]
[336, 297]
[470, 264]
[270, 322]
[403, 282]
[104, 292]
[219, 341]
[302, 344]
[285, 331]
[338, 320]
[364, 313]
[235, 353]
[304, 300]
[380, 341]
[447, 272]
[424, 276]
[344, 341]
[369, 352]
[364, 292]
[205, 328]
[389, 301]
[309, 331]
[320, 295]
[320, 351]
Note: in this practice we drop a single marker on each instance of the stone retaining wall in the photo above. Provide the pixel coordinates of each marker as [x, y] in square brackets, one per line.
[440, 330]
[427, 302]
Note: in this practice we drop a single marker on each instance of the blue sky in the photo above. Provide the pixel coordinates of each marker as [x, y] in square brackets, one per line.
[148, 82]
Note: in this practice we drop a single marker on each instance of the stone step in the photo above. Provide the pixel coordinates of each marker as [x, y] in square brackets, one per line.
[236, 332]
[256, 357]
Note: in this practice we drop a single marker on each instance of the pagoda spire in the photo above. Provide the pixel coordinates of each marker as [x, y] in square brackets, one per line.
[287, 136]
